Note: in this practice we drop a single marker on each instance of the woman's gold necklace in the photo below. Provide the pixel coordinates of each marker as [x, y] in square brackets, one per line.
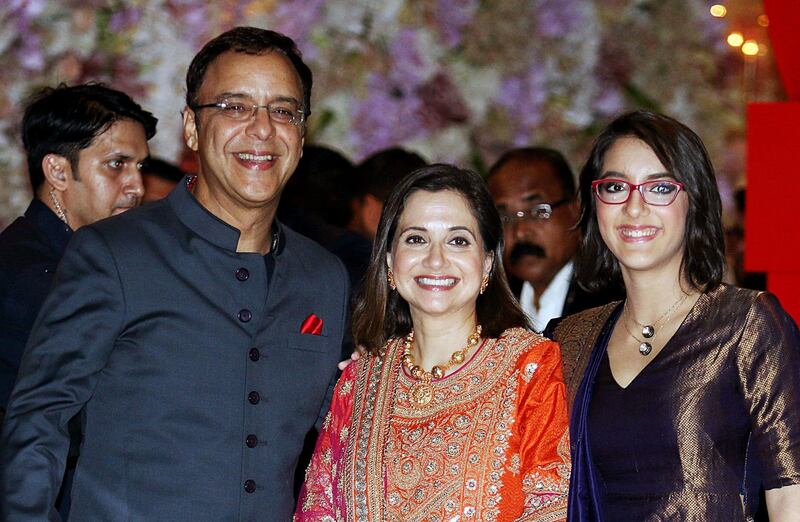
[421, 392]
[649, 330]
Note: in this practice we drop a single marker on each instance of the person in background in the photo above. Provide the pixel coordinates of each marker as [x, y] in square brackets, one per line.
[534, 189]
[458, 410]
[316, 203]
[689, 386]
[159, 178]
[197, 335]
[375, 178]
[85, 146]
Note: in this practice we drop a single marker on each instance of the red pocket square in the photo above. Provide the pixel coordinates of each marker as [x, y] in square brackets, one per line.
[312, 325]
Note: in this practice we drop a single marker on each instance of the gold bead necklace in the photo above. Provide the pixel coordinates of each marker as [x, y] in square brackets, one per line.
[422, 392]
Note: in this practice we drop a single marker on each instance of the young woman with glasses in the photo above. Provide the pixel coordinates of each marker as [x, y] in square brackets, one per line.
[690, 390]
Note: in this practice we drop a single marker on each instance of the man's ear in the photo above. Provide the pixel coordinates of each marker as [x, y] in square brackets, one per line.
[190, 128]
[57, 171]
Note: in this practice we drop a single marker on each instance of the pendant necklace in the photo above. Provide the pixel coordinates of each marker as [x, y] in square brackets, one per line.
[421, 391]
[649, 330]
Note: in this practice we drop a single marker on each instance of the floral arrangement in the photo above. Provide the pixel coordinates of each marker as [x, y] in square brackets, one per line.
[455, 80]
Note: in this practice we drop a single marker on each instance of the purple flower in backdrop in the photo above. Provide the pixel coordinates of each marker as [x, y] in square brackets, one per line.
[524, 98]
[296, 18]
[194, 19]
[26, 8]
[407, 62]
[31, 54]
[125, 19]
[554, 18]
[387, 117]
[452, 16]
[609, 102]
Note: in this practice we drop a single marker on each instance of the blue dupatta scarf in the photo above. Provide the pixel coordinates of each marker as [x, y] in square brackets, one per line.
[585, 503]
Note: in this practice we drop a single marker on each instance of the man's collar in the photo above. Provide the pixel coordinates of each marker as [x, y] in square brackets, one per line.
[208, 226]
[54, 231]
[551, 302]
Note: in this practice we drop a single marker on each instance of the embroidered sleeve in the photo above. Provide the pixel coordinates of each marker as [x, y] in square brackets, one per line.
[320, 498]
[544, 435]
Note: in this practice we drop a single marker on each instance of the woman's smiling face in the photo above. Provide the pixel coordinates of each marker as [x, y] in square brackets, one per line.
[642, 237]
[437, 255]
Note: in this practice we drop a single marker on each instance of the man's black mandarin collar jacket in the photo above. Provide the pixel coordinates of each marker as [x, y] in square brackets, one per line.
[190, 362]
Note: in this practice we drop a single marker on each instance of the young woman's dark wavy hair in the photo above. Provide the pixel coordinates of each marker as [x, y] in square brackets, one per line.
[381, 314]
[683, 154]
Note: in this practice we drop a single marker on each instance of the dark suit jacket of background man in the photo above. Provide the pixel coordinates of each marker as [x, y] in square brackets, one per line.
[197, 384]
[577, 299]
[30, 249]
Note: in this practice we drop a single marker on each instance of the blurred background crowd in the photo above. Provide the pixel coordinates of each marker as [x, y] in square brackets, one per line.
[458, 81]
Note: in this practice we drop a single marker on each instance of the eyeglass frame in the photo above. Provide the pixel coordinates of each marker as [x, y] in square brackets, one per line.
[636, 187]
[222, 105]
[546, 209]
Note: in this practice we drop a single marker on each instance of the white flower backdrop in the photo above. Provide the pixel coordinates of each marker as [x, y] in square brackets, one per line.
[455, 80]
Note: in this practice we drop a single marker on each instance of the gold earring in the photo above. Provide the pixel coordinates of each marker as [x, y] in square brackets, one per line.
[484, 283]
[390, 278]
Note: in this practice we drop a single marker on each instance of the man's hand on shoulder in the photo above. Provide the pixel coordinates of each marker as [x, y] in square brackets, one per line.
[356, 355]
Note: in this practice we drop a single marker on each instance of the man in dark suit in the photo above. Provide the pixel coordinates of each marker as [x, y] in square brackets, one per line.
[85, 146]
[197, 335]
[534, 190]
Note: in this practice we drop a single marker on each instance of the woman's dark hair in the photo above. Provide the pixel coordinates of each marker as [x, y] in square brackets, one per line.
[684, 156]
[246, 40]
[382, 314]
[66, 119]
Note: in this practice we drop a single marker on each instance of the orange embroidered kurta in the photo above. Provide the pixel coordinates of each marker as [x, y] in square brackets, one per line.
[491, 445]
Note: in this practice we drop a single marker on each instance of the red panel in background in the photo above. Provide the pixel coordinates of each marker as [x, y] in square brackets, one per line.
[787, 287]
[784, 34]
[772, 218]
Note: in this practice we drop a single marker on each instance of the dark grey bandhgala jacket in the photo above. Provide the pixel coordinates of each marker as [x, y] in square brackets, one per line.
[195, 380]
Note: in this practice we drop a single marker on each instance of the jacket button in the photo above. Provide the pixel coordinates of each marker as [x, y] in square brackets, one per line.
[251, 441]
[253, 397]
[242, 274]
[254, 354]
[250, 485]
[245, 315]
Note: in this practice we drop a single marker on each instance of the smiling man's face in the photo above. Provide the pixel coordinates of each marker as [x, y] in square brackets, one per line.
[245, 164]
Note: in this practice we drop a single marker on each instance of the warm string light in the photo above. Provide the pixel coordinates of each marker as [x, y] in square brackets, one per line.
[735, 39]
[718, 10]
[749, 47]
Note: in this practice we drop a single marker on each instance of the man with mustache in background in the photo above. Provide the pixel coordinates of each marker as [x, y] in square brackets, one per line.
[534, 190]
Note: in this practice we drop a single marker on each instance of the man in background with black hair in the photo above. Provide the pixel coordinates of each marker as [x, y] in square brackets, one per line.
[375, 178]
[159, 178]
[534, 190]
[85, 146]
